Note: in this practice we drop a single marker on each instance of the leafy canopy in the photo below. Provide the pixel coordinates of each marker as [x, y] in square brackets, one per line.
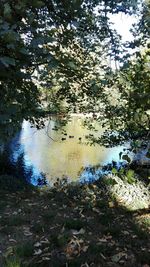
[54, 40]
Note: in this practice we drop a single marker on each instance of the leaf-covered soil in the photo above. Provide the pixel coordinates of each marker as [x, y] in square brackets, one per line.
[71, 226]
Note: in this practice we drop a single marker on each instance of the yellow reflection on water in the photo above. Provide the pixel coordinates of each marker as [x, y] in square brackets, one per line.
[63, 157]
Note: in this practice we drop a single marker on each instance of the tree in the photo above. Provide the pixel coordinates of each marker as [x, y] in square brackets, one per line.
[125, 99]
[126, 111]
[27, 29]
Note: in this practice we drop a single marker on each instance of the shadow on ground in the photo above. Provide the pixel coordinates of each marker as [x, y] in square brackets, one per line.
[71, 226]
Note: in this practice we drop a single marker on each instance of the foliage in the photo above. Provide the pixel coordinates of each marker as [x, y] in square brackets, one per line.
[32, 34]
[126, 103]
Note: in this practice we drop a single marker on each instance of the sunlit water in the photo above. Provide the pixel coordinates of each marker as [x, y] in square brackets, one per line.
[48, 153]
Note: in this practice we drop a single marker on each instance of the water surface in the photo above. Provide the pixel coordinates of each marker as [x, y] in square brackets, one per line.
[49, 153]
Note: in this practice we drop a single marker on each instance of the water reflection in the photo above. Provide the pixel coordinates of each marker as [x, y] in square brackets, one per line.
[56, 154]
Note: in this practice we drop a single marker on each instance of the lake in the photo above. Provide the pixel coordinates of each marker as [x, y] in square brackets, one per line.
[59, 154]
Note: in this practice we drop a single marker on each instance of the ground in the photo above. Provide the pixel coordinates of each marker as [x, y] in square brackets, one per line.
[70, 226]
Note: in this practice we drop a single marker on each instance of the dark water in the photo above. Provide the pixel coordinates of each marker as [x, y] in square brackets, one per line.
[58, 155]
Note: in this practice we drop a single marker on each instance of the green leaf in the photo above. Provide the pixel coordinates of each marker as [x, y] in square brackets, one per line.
[11, 37]
[24, 51]
[7, 11]
[13, 109]
[110, 181]
[8, 61]
[20, 6]
[114, 171]
[72, 65]
[130, 176]
[121, 171]
[37, 4]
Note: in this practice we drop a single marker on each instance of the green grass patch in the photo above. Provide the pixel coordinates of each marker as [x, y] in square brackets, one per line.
[48, 216]
[59, 240]
[95, 248]
[12, 262]
[25, 250]
[7, 230]
[140, 232]
[15, 220]
[144, 221]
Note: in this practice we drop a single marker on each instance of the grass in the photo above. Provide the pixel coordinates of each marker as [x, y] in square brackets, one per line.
[144, 221]
[15, 220]
[25, 250]
[59, 240]
[7, 230]
[48, 216]
[140, 232]
[95, 249]
[12, 262]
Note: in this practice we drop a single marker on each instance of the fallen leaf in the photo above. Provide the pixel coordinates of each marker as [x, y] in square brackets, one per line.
[96, 210]
[45, 258]
[102, 240]
[45, 241]
[38, 252]
[126, 232]
[46, 254]
[80, 232]
[85, 265]
[111, 204]
[103, 256]
[85, 248]
[12, 240]
[117, 257]
[27, 233]
[38, 244]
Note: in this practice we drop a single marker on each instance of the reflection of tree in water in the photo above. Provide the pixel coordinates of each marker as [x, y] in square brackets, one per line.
[17, 168]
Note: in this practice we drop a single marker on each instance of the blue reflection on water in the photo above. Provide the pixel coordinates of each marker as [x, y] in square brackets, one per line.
[91, 173]
[89, 176]
[29, 171]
